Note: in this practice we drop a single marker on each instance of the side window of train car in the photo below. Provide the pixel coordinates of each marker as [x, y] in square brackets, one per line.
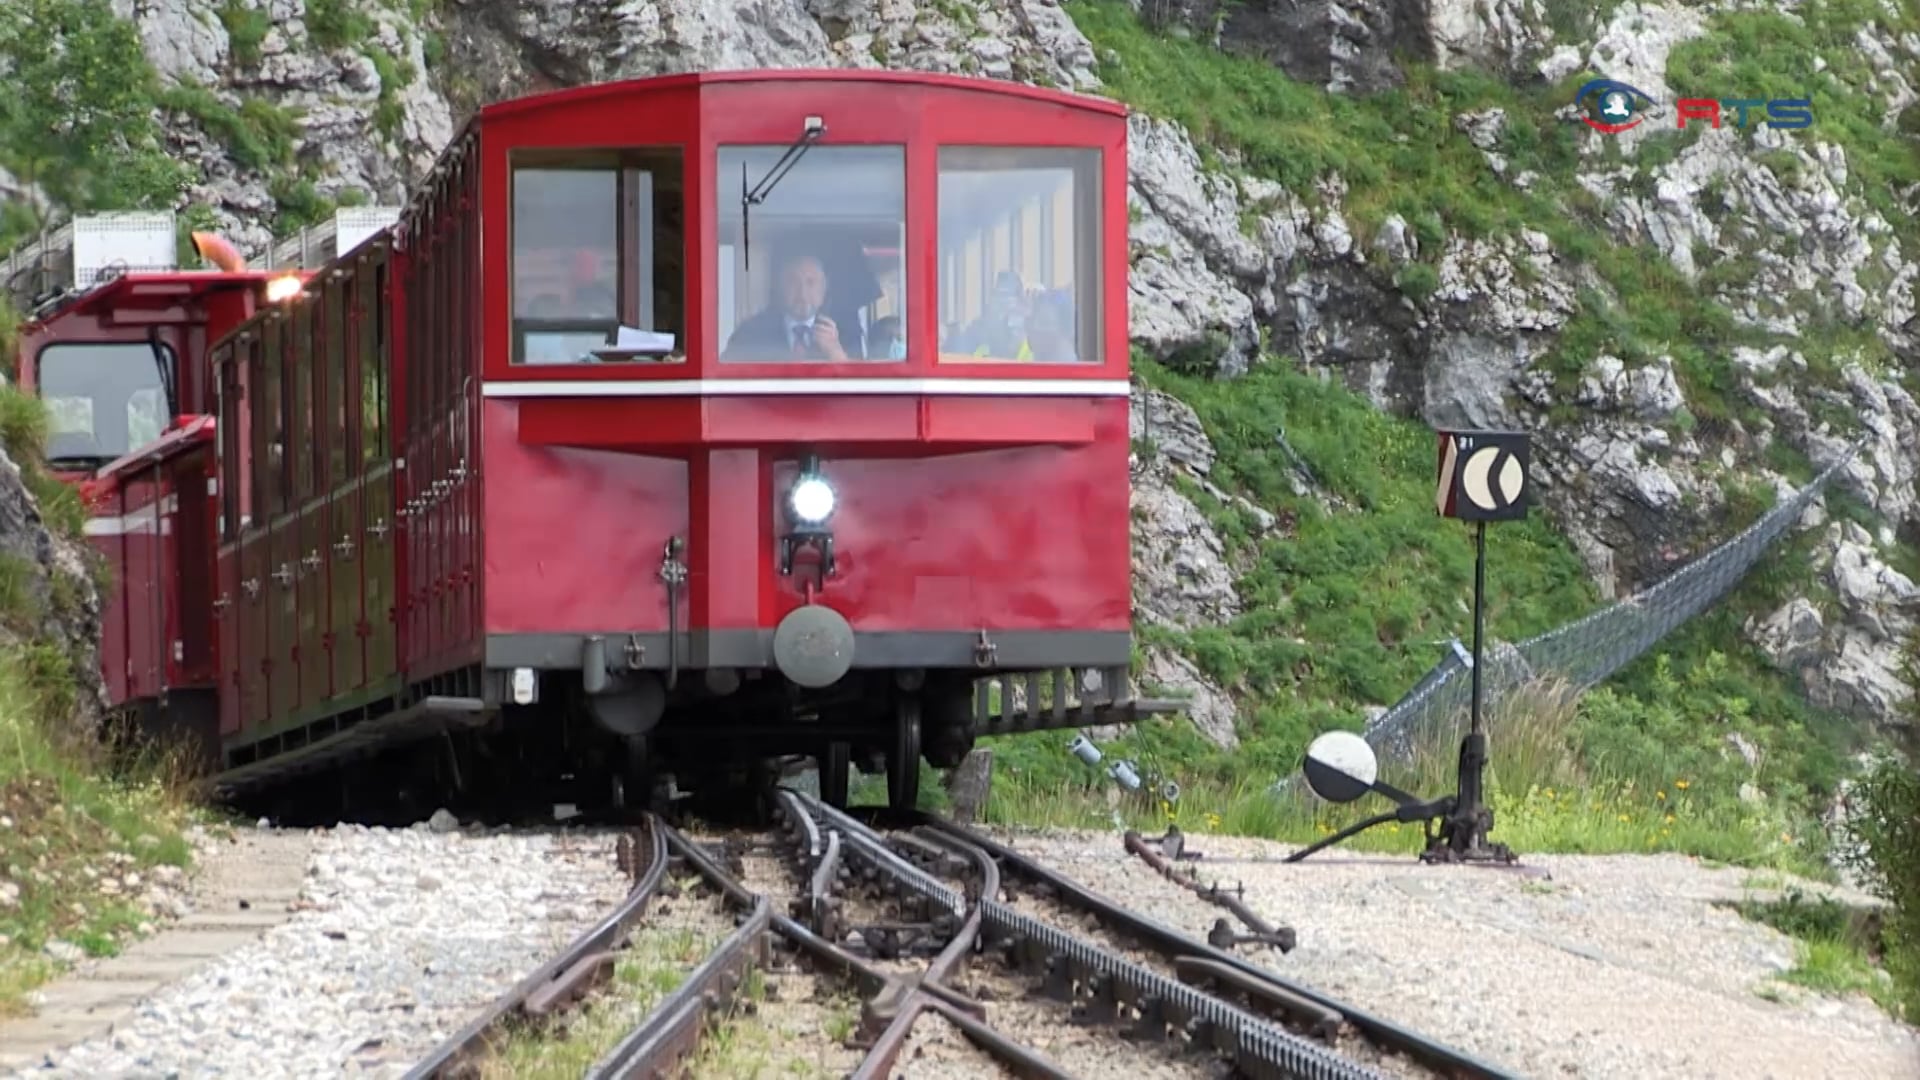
[1019, 254]
[814, 270]
[300, 372]
[268, 416]
[598, 257]
[102, 400]
[227, 423]
[373, 368]
[338, 295]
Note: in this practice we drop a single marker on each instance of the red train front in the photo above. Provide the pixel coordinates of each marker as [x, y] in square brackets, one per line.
[695, 421]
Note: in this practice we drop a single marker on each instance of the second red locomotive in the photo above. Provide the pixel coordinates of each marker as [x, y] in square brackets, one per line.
[691, 421]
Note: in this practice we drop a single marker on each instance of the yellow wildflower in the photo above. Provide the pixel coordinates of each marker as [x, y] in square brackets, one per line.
[1681, 784]
[1213, 820]
[1669, 819]
[1661, 795]
[1624, 817]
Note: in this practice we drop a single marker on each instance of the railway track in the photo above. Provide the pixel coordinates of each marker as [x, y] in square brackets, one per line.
[965, 958]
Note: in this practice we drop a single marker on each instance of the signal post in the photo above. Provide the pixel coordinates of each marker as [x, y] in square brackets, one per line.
[1482, 477]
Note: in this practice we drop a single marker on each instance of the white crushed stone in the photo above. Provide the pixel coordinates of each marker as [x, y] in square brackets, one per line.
[1620, 966]
[402, 936]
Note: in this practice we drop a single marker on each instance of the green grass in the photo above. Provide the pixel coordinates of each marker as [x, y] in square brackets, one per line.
[1837, 949]
[1348, 606]
[1546, 797]
[79, 833]
[654, 966]
[66, 825]
[1399, 153]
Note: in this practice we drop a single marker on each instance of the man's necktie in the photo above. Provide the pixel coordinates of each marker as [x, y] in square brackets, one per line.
[800, 339]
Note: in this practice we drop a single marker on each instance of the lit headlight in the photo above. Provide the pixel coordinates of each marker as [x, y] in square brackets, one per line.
[283, 288]
[811, 500]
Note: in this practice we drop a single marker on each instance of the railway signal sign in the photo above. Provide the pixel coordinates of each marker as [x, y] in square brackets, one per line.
[1483, 475]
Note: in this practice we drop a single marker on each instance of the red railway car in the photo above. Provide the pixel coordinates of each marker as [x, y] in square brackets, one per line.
[691, 421]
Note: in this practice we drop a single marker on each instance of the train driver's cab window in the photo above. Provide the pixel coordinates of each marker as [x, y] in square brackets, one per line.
[1019, 254]
[598, 256]
[810, 263]
[102, 400]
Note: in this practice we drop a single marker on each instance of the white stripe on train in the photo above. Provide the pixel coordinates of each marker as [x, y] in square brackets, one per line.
[828, 387]
[142, 519]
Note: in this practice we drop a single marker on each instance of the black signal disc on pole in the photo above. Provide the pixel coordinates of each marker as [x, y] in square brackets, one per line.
[1483, 475]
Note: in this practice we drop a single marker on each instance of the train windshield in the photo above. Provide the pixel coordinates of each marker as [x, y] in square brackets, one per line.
[102, 401]
[810, 267]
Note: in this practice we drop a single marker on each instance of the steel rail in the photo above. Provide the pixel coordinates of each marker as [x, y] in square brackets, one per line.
[460, 1053]
[1074, 967]
[671, 1032]
[927, 995]
[1435, 1055]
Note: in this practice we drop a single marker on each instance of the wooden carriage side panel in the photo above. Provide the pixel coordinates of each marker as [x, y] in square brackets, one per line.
[106, 532]
[142, 582]
[412, 353]
[383, 576]
[192, 524]
[346, 647]
[424, 427]
[228, 607]
[466, 484]
[256, 625]
[276, 590]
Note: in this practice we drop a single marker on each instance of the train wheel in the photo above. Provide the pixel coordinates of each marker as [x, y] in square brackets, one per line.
[903, 765]
[835, 774]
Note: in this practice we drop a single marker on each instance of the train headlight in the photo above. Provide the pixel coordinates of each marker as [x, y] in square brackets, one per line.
[811, 501]
[283, 288]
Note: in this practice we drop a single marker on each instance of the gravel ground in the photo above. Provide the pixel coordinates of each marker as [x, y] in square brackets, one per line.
[936, 1050]
[1620, 966]
[400, 937]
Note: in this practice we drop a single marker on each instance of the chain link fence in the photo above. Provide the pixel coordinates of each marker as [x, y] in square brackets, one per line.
[1586, 651]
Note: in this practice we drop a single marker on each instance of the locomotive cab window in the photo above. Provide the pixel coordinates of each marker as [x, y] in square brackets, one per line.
[102, 400]
[598, 254]
[811, 270]
[1019, 254]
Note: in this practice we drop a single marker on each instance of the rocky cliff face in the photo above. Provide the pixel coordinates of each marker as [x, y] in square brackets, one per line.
[49, 606]
[1653, 418]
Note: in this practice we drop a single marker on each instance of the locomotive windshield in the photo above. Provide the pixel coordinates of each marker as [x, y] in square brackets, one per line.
[815, 273]
[102, 401]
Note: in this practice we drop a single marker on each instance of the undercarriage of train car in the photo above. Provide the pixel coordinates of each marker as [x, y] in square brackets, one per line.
[523, 742]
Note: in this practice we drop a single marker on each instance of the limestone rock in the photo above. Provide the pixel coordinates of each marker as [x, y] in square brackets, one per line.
[53, 590]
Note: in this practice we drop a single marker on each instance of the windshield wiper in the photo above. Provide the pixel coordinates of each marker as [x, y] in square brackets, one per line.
[76, 462]
[750, 198]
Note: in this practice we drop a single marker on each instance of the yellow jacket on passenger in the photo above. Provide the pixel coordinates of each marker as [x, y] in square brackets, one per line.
[1025, 353]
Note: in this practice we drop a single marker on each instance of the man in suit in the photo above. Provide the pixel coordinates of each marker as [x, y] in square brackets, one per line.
[796, 328]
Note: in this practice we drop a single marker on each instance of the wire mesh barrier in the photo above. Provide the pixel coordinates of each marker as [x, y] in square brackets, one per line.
[1586, 651]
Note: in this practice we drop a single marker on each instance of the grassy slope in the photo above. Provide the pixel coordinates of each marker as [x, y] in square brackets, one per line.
[1346, 608]
[65, 825]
